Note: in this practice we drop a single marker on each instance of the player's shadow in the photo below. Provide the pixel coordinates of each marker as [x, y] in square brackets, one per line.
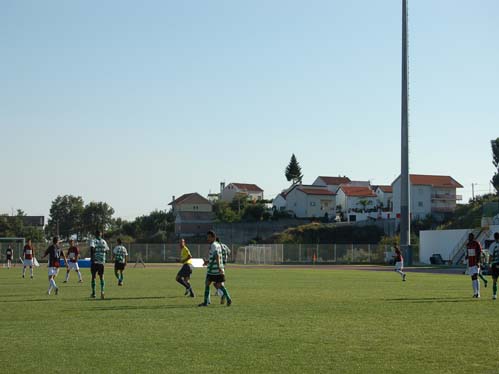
[23, 301]
[429, 300]
[133, 307]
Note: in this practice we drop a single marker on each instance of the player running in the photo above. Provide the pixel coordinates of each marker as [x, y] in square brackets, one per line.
[55, 253]
[72, 264]
[473, 255]
[215, 272]
[184, 275]
[9, 254]
[494, 263]
[399, 263]
[29, 255]
[98, 250]
[120, 256]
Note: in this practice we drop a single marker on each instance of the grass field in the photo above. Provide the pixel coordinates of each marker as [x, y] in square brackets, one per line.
[282, 320]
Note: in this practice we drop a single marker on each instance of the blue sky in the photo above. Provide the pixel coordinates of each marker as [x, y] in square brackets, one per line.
[131, 104]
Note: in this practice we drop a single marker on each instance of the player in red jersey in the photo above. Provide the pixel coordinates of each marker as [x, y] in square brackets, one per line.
[473, 255]
[72, 264]
[29, 255]
[399, 263]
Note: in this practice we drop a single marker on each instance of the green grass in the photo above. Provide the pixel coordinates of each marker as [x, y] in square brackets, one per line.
[282, 320]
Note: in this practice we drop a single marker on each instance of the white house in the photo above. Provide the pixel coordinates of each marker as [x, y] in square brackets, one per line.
[385, 196]
[279, 203]
[331, 183]
[307, 201]
[252, 191]
[193, 214]
[429, 195]
[355, 198]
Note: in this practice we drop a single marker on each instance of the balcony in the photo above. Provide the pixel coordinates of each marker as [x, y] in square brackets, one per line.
[446, 197]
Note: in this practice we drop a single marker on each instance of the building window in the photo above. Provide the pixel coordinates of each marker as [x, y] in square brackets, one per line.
[312, 203]
[420, 204]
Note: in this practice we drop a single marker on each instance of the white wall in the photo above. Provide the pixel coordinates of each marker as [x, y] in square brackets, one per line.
[307, 206]
[420, 199]
[279, 203]
[439, 241]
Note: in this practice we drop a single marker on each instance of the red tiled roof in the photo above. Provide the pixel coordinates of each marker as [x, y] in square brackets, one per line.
[247, 187]
[316, 191]
[335, 181]
[192, 198]
[358, 191]
[387, 189]
[435, 181]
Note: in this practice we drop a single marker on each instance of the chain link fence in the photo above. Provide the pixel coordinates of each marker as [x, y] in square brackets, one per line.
[242, 254]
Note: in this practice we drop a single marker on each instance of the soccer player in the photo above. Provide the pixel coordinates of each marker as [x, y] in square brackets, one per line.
[473, 255]
[215, 272]
[29, 255]
[8, 255]
[225, 258]
[55, 253]
[399, 263]
[120, 256]
[72, 264]
[98, 250]
[494, 263]
[184, 274]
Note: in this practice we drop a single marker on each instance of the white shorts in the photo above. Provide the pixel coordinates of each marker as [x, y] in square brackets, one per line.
[28, 263]
[53, 271]
[473, 270]
[73, 266]
[399, 266]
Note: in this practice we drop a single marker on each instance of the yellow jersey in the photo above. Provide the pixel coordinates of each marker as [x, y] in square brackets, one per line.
[185, 256]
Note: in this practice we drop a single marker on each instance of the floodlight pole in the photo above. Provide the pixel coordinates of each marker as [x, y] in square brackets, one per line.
[405, 214]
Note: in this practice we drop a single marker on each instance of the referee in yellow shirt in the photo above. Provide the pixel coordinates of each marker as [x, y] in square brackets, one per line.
[184, 275]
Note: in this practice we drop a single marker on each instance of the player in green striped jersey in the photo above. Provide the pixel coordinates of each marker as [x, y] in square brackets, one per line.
[215, 272]
[494, 263]
[98, 250]
[120, 256]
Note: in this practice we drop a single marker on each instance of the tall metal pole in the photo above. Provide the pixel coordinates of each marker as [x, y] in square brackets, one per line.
[405, 214]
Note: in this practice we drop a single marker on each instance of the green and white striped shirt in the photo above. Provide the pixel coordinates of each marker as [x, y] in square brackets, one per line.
[99, 251]
[120, 254]
[215, 252]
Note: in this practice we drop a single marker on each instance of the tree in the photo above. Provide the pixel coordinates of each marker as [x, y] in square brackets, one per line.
[364, 203]
[97, 216]
[495, 162]
[65, 216]
[293, 171]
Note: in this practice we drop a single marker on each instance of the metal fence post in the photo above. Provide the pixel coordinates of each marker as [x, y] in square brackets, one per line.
[199, 250]
[352, 254]
[147, 252]
[164, 252]
[335, 252]
[369, 252]
[299, 252]
[245, 253]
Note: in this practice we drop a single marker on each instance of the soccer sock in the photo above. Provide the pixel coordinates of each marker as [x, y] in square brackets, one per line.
[181, 281]
[494, 288]
[50, 286]
[225, 292]
[79, 275]
[476, 286]
[102, 284]
[31, 272]
[482, 278]
[207, 294]
[121, 276]
[52, 283]
[67, 276]
[24, 271]
[93, 286]
[116, 274]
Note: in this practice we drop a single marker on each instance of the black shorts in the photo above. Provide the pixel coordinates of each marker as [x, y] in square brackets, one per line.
[9, 258]
[185, 271]
[97, 269]
[219, 278]
[119, 266]
[494, 270]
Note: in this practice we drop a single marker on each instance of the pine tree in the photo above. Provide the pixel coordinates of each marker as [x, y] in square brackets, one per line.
[293, 171]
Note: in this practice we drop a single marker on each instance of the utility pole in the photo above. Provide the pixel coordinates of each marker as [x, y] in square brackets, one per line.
[405, 214]
[473, 191]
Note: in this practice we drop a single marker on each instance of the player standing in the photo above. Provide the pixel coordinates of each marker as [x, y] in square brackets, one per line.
[29, 255]
[225, 258]
[120, 256]
[184, 274]
[399, 263]
[473, 255]
[72, 264]
[98, 250]
[215, 272]
[55, 253]
[494, 263]
[8, 255]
